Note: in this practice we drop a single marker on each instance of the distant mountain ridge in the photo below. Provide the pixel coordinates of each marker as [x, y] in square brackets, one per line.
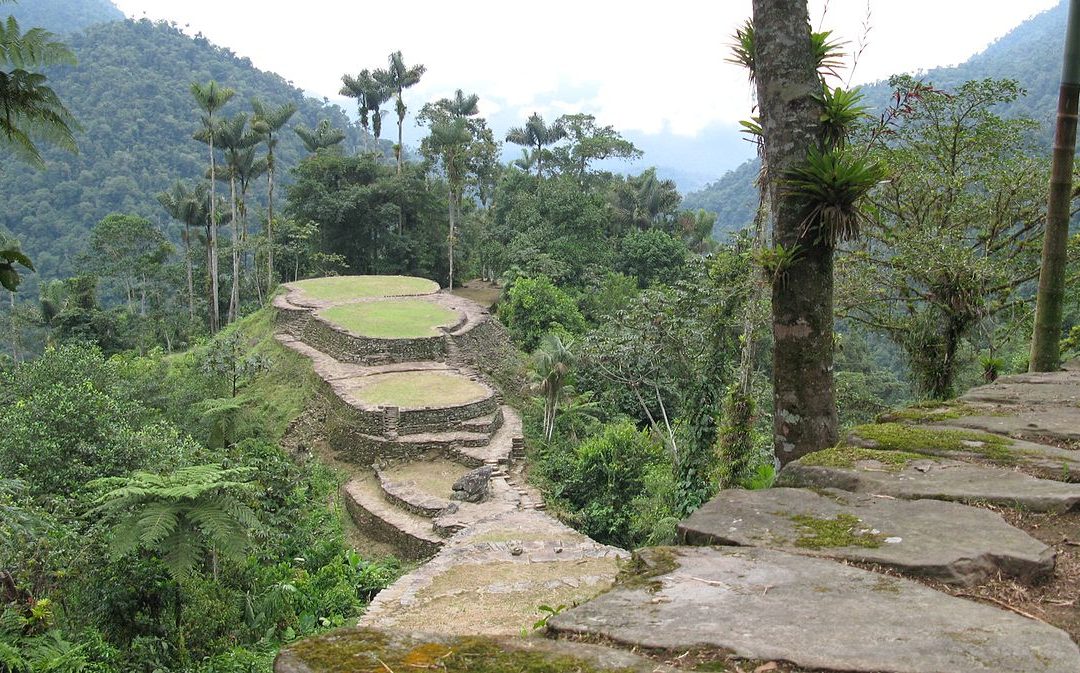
[131, 94]
[1030, 53]
[61, 17]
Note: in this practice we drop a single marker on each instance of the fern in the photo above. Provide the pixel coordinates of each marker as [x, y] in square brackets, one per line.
[180, 515]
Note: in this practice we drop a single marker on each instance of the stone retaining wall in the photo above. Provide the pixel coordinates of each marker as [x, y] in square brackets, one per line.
[486, 347]
[410, 546]
[441, 419]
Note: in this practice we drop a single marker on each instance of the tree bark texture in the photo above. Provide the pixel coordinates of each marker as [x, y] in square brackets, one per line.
[802, 294]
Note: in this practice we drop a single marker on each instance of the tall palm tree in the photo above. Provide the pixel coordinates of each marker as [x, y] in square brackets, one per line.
[322, 137]
[187, 206]
[536, 135]
[211, 98]
[267, 122]
[233, 137]
[29, 108]
[370, 95]
[396, 78]
[450, 139]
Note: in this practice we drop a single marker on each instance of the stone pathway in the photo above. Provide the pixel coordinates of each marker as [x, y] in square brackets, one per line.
[489, 565]
[807, 577]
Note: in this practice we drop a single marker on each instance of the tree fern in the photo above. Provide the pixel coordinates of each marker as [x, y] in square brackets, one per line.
[180, 515]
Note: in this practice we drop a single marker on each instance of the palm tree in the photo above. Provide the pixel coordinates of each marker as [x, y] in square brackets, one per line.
[370, 96]
[551, 369]
[536, 135]
[450, 139]
[234, 138]
[189, 207]
[396, 78]
[210, 99]
[267, 122]
[321, 137]
[182, 516]
[29, 108]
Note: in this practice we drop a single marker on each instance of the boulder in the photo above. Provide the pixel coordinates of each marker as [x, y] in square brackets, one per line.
[473, 485]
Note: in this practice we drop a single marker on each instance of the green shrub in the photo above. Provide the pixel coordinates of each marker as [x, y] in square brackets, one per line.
[535, 306]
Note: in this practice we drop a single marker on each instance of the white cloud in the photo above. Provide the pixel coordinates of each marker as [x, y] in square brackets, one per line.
[638, 67]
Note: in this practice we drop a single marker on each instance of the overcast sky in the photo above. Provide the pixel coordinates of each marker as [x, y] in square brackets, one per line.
[650, 68]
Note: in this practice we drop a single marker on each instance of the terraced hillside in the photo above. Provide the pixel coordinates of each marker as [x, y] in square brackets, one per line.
[416, 375]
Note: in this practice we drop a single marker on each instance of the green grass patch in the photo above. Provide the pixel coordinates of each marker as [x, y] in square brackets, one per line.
[847, 456]
[420, 389]
[935, 441]
[845, 530]
[392, 319]
[344, 288]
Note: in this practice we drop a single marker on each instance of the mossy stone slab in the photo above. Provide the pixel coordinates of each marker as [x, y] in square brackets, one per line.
[947, 541]
[938, 480]
[763, 604]
[361, 650]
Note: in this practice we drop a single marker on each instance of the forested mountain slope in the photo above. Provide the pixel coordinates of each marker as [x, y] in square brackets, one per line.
[62, 16]
[131, 93]
[1030, 54]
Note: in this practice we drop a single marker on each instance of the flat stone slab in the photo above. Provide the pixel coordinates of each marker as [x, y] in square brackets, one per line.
[491, 577]
[939, 480]
[946, 541]
[1051, 461]
[1053, 388]
[360, 650]
[1061, 424]
[769, 605]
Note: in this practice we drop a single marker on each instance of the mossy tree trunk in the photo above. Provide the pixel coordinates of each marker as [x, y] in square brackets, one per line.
[802, 295]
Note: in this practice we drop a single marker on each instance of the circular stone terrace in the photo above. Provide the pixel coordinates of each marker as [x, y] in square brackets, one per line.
[419, 390]
[392, 318]
[322, 292]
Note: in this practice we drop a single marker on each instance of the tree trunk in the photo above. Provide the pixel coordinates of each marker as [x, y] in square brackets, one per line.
[450, 239]
[234, 291]
[215, 316]
[802, 312]
[270, 222]
[1045, 347]
[190, 275]
[14, 330]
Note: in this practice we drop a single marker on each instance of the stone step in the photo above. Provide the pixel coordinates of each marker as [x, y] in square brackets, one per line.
[498, 449]
[946, 541]
[407, 496]
[411, 534]
[487, 424]
[868, 471]
[763, 604]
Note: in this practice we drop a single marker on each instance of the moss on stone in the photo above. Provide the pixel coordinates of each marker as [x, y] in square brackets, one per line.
[641, 571]
[845, 530]
[847, 456]
[368, 651]
[934, 441]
